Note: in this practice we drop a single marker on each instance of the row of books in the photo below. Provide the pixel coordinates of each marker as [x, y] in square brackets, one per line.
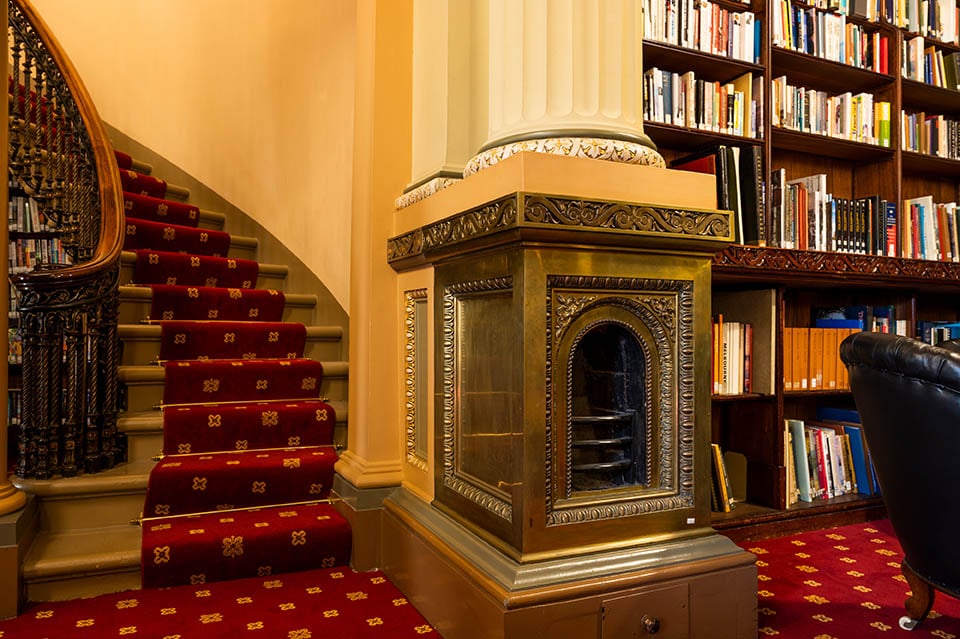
[14, 346]
[935, 19]
[858, 117]
[740, 185]
[805, 216]
[811, 359]
[732, 357]
[928, 64]
[937, 331]
[683, 99]
[827, 34]
[934, 135]
[704, 26]
[26, 253]
[24, 216]
[929, 230]
[862, 317]
[827, 458]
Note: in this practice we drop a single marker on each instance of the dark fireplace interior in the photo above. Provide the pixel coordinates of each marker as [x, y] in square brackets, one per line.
[607, 434]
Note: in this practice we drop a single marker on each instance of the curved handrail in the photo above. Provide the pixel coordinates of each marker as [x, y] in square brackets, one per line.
[60, 154]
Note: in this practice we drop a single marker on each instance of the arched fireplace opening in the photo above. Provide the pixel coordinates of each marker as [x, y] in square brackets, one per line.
[607, 442]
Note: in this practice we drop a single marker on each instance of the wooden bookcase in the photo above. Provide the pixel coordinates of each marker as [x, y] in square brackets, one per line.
[777, 288]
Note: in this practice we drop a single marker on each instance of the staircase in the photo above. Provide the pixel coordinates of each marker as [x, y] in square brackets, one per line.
[87, 544]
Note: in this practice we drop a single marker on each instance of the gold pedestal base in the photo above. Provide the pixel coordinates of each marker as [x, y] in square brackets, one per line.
[703, 588]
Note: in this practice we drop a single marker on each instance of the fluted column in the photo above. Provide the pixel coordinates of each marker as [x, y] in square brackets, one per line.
[565, 77]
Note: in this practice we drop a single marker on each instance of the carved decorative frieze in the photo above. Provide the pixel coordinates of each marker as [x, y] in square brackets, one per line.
[622, 216]
[526, 210]
[791, 262]
[484, 220]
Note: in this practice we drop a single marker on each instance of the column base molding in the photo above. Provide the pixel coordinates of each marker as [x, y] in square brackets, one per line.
[702, 589]
[595, 148]
[363, 473]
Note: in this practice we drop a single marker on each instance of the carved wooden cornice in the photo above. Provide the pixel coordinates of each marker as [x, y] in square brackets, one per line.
[535, 214]
[787, 265]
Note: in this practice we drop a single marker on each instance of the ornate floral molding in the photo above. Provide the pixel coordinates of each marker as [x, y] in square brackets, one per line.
[411, 375]
[424, 191]
[581, 147]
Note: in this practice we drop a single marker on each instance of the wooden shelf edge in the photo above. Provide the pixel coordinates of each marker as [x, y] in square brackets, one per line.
[753, 523]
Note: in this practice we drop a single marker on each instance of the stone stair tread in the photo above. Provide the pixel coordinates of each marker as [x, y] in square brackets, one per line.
[148, 421]
[129, 258]
[124, 478]
[152, 332]
[130, 292]
[154, 373]
[102, 550]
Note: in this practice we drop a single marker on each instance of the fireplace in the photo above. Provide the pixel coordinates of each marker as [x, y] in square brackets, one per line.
[571, 413]
[568, 395]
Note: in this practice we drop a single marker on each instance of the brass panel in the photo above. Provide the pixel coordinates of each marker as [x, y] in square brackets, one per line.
[482, 430]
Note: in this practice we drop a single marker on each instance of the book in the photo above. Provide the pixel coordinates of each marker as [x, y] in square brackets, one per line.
[800, 458]
[713, 162]
[752, 196]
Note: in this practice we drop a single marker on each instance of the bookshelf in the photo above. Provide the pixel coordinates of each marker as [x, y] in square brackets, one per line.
[778, 289]
[34, 242]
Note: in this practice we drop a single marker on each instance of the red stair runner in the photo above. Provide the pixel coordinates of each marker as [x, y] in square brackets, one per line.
[239, 479]
[237, 380]
[262, 542]
[216, 427]
[141, 184]
[222, 340]
[157, 209]
[247, 441]
[165, 267]
[208, 303]
[163, 236]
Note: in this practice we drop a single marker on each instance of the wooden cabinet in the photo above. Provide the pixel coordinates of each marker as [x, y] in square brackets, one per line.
[903, 62]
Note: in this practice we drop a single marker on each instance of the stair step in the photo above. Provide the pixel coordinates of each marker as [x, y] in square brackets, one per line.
[144, 384]
[178, 193]
[144, 431]
[83, 564]
[135, 306]
[141, 343]
[269, 276]
[115, 495]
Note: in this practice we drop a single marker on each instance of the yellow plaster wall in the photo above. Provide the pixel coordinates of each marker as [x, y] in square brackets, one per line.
[254, 99]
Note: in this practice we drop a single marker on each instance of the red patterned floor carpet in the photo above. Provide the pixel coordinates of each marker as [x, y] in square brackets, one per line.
[335, 603]
[842, 583]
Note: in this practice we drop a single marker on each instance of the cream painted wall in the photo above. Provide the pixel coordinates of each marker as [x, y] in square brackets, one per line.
[254, 99]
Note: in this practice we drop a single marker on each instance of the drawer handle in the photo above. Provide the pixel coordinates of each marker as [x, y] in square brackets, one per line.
[650, 624]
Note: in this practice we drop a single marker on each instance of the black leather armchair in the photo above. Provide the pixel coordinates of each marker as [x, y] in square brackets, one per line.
[908, 396]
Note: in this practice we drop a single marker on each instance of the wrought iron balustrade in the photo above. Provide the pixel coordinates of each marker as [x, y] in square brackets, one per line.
[59, 155]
